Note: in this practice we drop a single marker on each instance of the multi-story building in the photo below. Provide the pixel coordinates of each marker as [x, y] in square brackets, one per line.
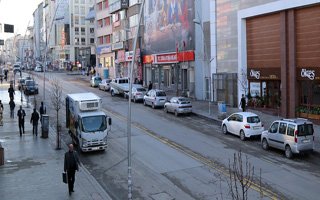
[39, 44]
[273, 46]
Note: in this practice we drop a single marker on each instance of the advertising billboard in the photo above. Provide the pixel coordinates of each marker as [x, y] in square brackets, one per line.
[168, 26]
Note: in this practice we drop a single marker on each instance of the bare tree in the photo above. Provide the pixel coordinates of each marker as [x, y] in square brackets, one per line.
[240, 177]
[57, 103]
[243, 81]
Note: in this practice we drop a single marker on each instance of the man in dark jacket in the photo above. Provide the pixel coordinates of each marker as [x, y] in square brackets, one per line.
[21, 114]
[243, 103]
[12, 106]
[34, 120]
[11, 91]
[71, 164]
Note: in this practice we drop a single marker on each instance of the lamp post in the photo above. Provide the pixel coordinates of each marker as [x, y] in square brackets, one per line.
[129, 105]
[206, 59]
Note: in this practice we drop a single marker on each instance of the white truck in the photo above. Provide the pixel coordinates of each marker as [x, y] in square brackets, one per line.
[119, 86]
[88, 125]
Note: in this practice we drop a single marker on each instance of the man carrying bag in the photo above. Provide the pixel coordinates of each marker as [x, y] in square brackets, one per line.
[71, 164]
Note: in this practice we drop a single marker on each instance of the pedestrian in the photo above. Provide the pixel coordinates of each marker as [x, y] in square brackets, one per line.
[71, 164]
[12, 106]
[243, 103]
[21, 115]
[42, 110]
[150, 86]
[34, 121]
[11, 91]
[1, 113]
[1, 79]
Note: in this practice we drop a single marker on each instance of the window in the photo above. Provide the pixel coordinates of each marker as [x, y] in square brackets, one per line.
[254, 119]
[239, 118]
[290, 130]
[100, 40]
[100, 6]
[76, 19]
[82, 10]
[107, 21]
[106, 3]
[76, 1]
[83, 41]
[282, 128]
[76, 30]
[133, 21]
[82, 21]
[305, 129]
[83, 1]
[108, 39]
[76, 9]
[91, 30]
[91, 40]
[274, 127]
[232, 118]
[83, 31]
[76, 41]
[100, 25]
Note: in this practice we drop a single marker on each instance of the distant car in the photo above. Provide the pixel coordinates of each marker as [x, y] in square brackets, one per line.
[95, 80]
[31, 87]
[21, 83]
[38, 68]
[293, 136]
[155, 98]
[138, 92]
[16, 68]
[244, 124]
[105, 84]
[178, 105]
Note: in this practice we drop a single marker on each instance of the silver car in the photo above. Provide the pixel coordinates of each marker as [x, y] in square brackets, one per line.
[105, 84]
[178, 105]
[294, 136]
[138, 92]
[155, 98]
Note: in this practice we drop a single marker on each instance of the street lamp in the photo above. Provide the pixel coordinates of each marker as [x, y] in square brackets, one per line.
[206, 59]
[129, 105]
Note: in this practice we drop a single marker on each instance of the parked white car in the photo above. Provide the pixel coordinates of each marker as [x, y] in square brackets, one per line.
[138, 92]
[243, 124]
[178, 105]
[155, 98]
[105, 84]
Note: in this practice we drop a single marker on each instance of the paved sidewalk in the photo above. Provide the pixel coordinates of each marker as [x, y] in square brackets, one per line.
[33, 167]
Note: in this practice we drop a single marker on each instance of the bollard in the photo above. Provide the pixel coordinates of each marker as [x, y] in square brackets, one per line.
[1, 155]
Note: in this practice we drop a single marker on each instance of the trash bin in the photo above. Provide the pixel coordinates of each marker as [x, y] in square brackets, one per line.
[1, 155]
[222, 110]
[105, 73]
[45, 126]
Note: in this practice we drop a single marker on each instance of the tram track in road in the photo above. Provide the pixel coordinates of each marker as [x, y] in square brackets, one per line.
[264, 190]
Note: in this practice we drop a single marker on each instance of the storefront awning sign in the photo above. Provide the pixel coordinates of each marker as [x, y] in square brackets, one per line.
[263, 73]
[166, 58]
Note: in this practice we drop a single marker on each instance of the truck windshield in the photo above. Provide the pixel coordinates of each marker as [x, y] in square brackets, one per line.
[94, 123]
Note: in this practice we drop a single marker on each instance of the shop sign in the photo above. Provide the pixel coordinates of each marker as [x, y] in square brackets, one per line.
[121, 56]
[104, 49]
[263, 73]
[310, 74]
[166, 58]
[118, 5]
[129, 55]
[118, 45]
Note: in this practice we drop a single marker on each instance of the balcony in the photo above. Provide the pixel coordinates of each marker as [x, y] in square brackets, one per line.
[118, 5]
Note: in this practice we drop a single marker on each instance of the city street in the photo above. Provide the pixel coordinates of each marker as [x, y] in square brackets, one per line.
[182, 158]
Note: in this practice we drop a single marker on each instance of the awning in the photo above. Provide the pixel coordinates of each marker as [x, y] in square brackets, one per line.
[91, 15]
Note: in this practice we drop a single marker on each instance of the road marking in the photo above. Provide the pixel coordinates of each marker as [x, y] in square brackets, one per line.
[207, 162]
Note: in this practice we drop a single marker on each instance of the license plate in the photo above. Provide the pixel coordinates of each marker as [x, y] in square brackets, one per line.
[256, 127]
[95, 148]
[306, 141]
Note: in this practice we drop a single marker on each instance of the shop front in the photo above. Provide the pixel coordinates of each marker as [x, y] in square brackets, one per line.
[105, 58]
[170, 71]
[264, 87]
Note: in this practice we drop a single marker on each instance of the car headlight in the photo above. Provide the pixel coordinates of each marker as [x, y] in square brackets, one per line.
[84, 142]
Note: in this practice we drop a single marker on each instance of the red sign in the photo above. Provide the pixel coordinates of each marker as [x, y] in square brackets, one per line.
[169, 57]
[166, 58]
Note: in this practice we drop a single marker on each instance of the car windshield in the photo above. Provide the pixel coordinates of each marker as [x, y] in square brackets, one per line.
[184, 100]
[161, 94]
[108, 80]
[141, 90]
[98, 79]
[123, 81]
[253, 119]
[94, 123]
[305, 129]
[30, 83]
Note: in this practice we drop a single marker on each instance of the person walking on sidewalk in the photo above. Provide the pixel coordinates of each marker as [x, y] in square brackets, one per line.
[21, 114]
[12, 106]
[11, 91]
[150, 86]
[34, 121]
[1, 113]
[71, 164]
[42, 110]
[243, 103]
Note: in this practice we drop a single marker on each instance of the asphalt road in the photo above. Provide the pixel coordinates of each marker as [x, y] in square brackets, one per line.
[182, 158]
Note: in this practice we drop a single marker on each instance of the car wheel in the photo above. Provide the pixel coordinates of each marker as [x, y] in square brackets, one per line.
[242, 136]
[112, 93]
[134, 99]
[176, 113]
[153, 106]
[144, 102]
[288, 152]
[165, 109]
[224, 129]
[265, 144]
